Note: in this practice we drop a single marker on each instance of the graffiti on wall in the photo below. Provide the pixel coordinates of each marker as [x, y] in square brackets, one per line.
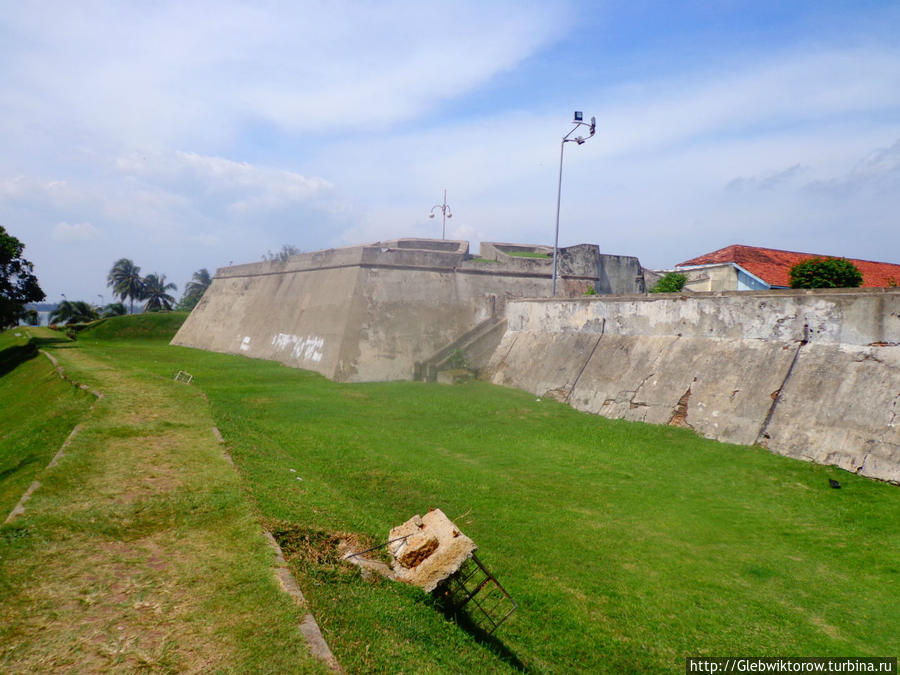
[307, 348]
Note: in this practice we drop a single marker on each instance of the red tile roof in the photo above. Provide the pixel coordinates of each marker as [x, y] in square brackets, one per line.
[774, 266]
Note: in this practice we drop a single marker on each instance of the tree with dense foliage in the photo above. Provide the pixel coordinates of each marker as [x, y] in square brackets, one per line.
[31, 317]
[18, 285]
[672, 282]
[156, 293]
[194, 289]
[826, 273]
[77, 311]
[126, 281]
[113, 309]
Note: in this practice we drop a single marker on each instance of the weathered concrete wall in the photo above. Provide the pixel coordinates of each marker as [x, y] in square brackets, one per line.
[809, 374]
[369, 313]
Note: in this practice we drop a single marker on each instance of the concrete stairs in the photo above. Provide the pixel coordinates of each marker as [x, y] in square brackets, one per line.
[469, 352]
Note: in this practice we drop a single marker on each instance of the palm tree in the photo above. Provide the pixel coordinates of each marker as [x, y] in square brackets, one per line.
[194, 289]
[114, 309]
[77, 311]
[125, 280]
[155, 294]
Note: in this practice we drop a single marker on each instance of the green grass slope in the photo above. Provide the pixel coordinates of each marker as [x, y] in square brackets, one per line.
[38, 410]
[139, 551]
[628, 547]
[136, 326]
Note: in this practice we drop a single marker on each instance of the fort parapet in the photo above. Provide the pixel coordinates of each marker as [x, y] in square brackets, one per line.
[368, 313]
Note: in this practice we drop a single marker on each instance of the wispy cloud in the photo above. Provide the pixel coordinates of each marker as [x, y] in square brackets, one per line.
[191, 134]
[75, 232]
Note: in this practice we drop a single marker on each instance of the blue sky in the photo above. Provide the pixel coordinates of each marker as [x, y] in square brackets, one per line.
[190, 134]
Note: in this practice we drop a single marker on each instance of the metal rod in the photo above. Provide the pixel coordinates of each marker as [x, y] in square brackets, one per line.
[444, 216]
[562, 146]
[375, 548]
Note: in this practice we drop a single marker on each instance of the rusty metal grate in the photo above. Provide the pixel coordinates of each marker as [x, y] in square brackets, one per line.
[474, 589]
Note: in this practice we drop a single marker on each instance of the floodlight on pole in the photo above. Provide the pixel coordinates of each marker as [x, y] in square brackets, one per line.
[445, 213]
[578, 121]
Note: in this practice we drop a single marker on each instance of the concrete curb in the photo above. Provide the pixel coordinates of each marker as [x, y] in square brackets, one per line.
[308, 626]
[316, 643]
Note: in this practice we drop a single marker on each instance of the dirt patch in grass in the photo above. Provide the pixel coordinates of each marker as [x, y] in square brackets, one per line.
[318, 550]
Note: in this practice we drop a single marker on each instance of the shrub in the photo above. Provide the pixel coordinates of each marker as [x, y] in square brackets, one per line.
[825, 273]
[672, 282]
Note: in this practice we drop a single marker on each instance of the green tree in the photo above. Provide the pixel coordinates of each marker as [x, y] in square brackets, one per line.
[126, 281]
[194, 289]
[156, 293]
[672, 282]
[31, 317]
[77, 311]
[18, 285]
[826, 273]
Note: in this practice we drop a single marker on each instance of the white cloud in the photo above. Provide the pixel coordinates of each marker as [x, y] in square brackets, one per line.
[156, 75]
[75, 232]
[191, 134]
[237, 186]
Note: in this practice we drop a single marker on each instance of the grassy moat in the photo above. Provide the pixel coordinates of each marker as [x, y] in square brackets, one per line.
[627, 547]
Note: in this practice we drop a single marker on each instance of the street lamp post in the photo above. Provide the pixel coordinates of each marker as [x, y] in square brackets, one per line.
[445, 213]
[578, 120]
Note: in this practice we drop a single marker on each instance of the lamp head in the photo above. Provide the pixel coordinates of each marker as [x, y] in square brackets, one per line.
[579, 116]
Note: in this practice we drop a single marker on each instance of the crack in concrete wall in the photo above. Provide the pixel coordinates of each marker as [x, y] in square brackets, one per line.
[762, 436]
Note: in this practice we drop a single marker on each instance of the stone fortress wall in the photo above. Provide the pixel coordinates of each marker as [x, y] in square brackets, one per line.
[808, 374]
[368, 313]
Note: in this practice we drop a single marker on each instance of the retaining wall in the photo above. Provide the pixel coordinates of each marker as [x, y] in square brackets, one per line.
[808, 374]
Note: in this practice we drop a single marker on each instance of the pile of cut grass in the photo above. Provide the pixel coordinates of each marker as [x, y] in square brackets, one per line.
[627, 546]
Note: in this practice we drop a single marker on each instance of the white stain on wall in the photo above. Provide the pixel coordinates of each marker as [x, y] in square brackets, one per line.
[303, 348]
[245, 344]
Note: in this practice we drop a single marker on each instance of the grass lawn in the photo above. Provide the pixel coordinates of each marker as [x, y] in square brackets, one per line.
[39, 410]
[628, 547]
[140, 550]
[529, 254]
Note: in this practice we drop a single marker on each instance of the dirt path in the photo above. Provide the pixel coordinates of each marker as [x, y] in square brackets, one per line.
[139, 550]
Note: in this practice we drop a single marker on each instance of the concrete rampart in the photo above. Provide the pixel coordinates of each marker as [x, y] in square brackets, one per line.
[372, 312]
[808, 374]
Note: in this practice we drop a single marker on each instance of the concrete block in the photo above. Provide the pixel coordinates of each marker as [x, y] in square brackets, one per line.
[432, 549]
